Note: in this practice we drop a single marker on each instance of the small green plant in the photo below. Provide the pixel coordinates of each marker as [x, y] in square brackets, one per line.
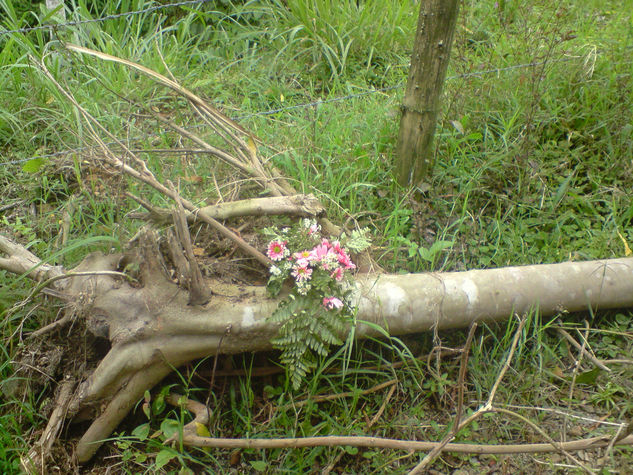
[420, 256]
[315, 311]
[21, 229]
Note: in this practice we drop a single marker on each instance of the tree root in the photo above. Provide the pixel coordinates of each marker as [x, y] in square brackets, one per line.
[35, 461]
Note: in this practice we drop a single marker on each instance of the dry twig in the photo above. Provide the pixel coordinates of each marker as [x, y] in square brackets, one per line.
[590, 356]
[457, 425]
[332, 397]
[201, 412]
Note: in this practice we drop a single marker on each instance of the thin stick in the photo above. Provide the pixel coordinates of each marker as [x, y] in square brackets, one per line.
[458, 425]
[582, 352]
[215, 362]
[506, 365]
[580, 347]
[378, 442]
[377, 416]
[463, 367]
[51, 326]
[332, 397]
[199, 292]
[623, 431]
[557, 445]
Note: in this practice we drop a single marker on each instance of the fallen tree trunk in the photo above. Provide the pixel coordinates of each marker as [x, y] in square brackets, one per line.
[152, 329]
[147, 345]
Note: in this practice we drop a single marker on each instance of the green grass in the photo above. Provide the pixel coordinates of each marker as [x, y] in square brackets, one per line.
[533, 165]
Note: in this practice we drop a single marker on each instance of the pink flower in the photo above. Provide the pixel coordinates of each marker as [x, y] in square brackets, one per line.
[320, 252]
[302, 273]
[277, 250]
[302, 262]
[337, 274]
[332, 302]
[303, 256]
[345, 260]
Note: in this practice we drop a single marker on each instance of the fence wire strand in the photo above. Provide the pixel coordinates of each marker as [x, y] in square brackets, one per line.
[103, 18]
[305, 105]
[315, 103]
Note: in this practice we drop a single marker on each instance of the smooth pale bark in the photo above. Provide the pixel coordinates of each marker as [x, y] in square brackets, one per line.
[421, 104]
[307, 206]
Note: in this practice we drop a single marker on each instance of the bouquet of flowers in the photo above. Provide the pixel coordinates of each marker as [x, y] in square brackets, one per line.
[315, 312]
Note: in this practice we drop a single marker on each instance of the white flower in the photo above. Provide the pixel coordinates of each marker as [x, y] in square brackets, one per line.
[274, 270]
[303, 287]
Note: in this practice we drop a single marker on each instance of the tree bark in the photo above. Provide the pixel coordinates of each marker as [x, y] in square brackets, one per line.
[420, 108]
[53, 4]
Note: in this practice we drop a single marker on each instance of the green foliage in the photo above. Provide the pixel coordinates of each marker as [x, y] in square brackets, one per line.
[336, 36]
[306, 334]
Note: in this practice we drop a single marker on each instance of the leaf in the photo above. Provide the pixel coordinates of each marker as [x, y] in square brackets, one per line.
[259, 465]
[202, 430]
[33, 165]
[588, 377]
[627, 249]
[142, 431]
[164, 457]
[458, 126]
[440, 246]
[562, 189]
[159, 405]
[169, 427]
[424, 254]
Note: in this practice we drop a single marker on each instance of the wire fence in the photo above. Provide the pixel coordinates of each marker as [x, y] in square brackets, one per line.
[246, 116]
[103, 18]
[304, 105]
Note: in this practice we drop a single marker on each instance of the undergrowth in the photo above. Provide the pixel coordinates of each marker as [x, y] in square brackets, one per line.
[533, 165]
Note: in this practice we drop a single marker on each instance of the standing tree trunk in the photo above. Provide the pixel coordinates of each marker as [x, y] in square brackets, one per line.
[53, 4]
[420, 107]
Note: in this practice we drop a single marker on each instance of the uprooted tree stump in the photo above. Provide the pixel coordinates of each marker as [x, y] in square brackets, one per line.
[158, 317]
